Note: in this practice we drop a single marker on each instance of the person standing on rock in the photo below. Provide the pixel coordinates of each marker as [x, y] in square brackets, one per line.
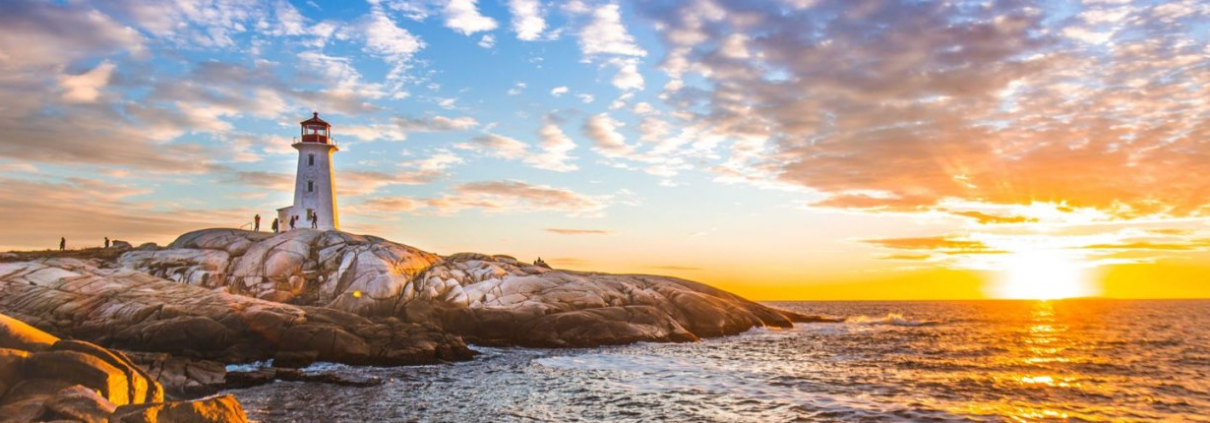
[256, 223]
[314, 220]
[274, 226]
[106, 243]
[62, 244]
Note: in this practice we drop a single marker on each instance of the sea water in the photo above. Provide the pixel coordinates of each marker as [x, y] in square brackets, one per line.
[1091, 360]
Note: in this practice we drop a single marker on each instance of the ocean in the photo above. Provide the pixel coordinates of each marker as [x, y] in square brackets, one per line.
[1090, 360]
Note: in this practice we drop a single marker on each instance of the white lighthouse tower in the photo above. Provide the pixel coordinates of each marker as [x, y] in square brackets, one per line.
[314, 184]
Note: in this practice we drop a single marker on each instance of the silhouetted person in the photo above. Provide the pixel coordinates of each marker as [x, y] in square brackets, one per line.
[293, 219]
[314, 220]
[62, 244]
[256, 223]
[274, 226]
[106, 243]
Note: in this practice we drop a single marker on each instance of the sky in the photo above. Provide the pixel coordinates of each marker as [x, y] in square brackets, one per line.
[792, 149]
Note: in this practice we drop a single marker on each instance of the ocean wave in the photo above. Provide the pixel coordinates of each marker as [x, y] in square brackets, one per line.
[894, 319]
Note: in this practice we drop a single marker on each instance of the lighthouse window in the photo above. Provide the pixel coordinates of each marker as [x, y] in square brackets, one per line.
[311, 160]
[310, 186]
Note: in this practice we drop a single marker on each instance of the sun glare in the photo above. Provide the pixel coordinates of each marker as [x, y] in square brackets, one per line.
[1043, 275]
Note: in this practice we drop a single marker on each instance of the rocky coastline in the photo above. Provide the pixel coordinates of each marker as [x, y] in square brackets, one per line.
[216, 297]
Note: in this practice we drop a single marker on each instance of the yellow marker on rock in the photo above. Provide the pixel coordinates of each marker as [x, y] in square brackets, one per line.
[356, 294]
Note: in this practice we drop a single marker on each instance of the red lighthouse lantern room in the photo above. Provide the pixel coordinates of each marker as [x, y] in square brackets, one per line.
[315, 130]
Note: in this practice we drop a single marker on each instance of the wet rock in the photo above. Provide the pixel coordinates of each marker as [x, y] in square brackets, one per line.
[295, 375]
[250, 378]
[295, 359]
[182, 377]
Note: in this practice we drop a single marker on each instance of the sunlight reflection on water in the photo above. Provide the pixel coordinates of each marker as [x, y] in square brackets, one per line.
[991, 361]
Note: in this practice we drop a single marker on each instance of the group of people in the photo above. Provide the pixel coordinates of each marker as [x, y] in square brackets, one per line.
[277, 226]
[63, 243]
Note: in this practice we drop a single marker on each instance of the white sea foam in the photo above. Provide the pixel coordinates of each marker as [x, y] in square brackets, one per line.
[895, 319]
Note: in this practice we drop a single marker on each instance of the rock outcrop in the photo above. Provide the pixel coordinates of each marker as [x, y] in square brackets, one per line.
[43, 378]
[129, 309]
[487, 299]
[360, 274]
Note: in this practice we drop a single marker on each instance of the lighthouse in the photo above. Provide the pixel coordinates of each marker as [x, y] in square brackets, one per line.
[314, 182]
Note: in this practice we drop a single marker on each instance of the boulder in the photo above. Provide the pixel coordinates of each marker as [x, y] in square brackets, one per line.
[12, 368]
[81, 404]
[120, 245]
[78, 381]
[17, 335]
[140, 386]
[78, 368]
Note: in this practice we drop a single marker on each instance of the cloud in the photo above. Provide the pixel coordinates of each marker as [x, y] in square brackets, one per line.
[350, 183]
[41, 35]
[528, 21]
[998, 105]
[517, 88]
[86, 87]
[358, 182]
[488, 41]
[392, 43]
[986, 219]
[556, 150]
[272, 181]
[462, 16]
[559, 91]
[1152, 246]
[435, 123]
[517, 197]
[562, 231]
[928, 243]
[373, 132]
[603, 131]
[628, 76]
[390, 204]
[605, 34]
[429, 169]
[84, 211]
[498, 146]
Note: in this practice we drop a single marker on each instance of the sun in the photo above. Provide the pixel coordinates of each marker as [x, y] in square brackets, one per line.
[1043, 275]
